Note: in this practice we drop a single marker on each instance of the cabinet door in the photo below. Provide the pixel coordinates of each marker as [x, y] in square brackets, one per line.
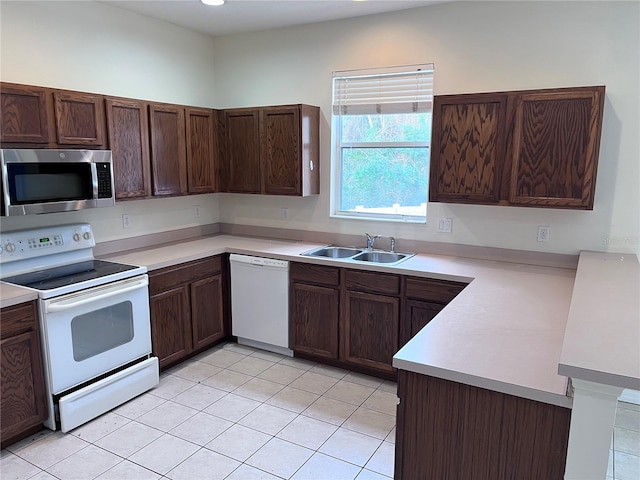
[555, 149]
[241, 172]
[468, 148]
[314, 320]
[280, 150]
[22, 386]
[168, 152]
[371, 329]
[24, 112]
[416, 315]
[128, 132]
[79, 118]
[201, 148]
[206, 311]
[171, 325]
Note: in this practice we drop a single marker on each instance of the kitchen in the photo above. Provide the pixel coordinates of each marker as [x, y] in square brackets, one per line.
[189, 68]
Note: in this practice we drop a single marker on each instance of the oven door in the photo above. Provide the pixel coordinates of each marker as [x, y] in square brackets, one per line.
[96, 330]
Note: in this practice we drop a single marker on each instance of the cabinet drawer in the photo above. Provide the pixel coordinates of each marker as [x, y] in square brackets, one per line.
[18, 318]
[432, 290]
[372, 282]
[316, 274]
[171, 277]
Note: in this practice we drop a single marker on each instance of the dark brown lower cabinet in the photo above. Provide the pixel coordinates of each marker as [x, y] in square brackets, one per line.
[371, 319]
[315, 320]
[450, 431]
[371, 326]
[171, 324]
[416, 316]
[359, 319]
[187, 304]
[207, 319]
[22, 397]
[424, 299]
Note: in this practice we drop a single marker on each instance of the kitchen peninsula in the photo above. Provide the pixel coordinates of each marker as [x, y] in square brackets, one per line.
[502, 335]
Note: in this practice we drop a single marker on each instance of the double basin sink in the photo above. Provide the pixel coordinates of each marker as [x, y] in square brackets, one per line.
[358, 255]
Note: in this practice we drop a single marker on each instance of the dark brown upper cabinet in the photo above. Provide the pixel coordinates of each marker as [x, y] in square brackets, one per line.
[201, 150]
[25, 112]
[168, 151]
[49, 118]
[240, 169]
[79, 119]
[468, 148]
[128, 133]
[271, 150]
[555, 148]
[534, 148]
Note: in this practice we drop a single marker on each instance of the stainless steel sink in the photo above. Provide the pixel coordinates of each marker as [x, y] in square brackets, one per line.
[334, 252]
[381, 257]
[356, 254]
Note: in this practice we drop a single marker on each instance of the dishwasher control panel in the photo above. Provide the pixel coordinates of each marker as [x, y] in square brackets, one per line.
[259, 261]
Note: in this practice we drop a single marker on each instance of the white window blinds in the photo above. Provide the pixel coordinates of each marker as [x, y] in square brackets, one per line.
[407, 89]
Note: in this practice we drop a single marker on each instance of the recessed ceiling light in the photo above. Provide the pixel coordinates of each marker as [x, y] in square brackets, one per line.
[215, 3]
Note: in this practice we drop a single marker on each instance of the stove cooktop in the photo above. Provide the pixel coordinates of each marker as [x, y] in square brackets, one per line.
[51, 278]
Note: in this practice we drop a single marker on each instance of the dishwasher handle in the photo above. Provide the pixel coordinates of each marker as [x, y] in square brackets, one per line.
[258, 261]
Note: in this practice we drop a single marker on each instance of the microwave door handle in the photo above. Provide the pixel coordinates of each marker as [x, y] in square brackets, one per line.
[94, 180]
[63, 305]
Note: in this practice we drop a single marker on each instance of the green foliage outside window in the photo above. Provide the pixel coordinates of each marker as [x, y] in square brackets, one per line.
[385, 161]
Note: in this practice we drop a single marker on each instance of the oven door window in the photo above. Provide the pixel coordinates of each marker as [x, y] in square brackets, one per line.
[101, 330]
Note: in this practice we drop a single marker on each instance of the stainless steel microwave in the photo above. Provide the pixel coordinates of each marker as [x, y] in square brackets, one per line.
[47, 181]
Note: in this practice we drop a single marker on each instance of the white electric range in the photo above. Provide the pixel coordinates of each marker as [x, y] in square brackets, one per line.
[95, 328]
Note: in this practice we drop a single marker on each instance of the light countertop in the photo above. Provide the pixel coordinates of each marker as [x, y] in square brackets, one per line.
[503, 332]
[602, 339]
[13, 295]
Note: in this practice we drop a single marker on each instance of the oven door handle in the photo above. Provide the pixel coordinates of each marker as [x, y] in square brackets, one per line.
[108, 292]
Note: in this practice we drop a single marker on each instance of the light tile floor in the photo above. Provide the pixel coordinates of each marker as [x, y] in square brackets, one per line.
[239, 413]
[624, 457]
[232, 412]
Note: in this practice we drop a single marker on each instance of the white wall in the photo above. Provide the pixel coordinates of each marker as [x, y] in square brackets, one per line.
[92, 47]
[476, 47]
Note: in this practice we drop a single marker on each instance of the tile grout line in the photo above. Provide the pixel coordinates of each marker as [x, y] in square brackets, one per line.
[261, 402]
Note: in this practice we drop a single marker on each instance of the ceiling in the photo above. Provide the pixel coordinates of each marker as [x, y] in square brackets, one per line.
[239, 16]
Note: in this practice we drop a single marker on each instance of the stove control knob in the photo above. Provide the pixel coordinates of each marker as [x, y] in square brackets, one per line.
[10, 247]
[76, 237]
[86, 235]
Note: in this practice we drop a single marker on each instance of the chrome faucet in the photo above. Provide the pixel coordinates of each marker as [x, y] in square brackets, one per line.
[371, 240]
[392, 244]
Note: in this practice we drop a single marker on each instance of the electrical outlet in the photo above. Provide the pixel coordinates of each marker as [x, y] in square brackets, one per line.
[196, 211]
[285, 213]
[543, 233]
[126, 220]
[445, 225]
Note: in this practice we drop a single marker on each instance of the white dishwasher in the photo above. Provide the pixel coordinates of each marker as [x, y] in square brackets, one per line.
[260, 302]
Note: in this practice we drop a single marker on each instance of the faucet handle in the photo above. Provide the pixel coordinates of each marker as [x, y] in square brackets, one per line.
[371, 239]
[392, 244]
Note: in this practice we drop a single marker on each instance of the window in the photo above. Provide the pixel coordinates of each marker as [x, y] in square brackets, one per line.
[381, 129]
